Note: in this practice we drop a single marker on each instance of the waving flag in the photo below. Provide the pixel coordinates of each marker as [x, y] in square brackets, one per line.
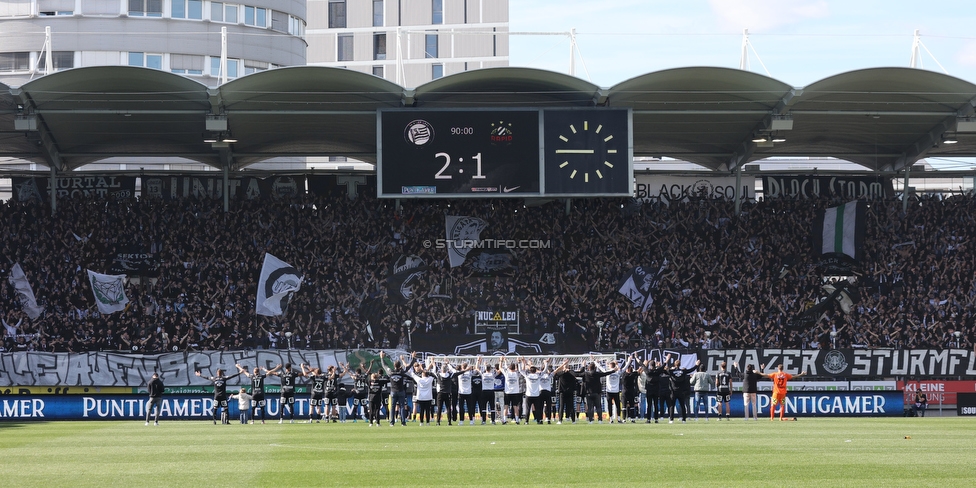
[109, 292]
[278, 281]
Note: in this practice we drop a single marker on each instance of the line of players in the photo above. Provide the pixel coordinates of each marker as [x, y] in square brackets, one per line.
[498, 390]
[495, 389]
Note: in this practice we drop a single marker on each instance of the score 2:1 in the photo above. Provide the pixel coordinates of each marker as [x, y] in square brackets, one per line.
[447, 162]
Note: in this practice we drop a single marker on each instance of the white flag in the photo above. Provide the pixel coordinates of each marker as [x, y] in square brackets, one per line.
[109, 291]
[24, 292]
[462, 234]
[278, 281]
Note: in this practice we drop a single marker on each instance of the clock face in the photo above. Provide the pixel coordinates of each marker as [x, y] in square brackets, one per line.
[587, 152]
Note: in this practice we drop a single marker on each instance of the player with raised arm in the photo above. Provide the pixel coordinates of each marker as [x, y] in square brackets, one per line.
[533, 389]
[360, 392]
[780, 380]
[547, 393]
[257, 390]
[221, 408]
[593, 389]
[467, 400]
[288, 378]
[425, 390]
[629, 389]
[566, 386]
[723, 383]
[513, 392]
[750, 389]
[680, 382]
[316, 400]
[613, 390]
[444, 383]
[398, 400]
[377, 383]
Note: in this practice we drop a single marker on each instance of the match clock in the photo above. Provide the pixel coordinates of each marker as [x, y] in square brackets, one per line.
[588, 152]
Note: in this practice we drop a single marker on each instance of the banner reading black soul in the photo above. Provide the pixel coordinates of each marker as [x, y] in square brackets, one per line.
[100, 186]
[245, 188]
[812, 186]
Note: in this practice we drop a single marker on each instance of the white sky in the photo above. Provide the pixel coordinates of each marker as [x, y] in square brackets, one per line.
[799, 41]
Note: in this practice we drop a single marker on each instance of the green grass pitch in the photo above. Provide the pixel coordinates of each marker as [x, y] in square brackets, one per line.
[810, 452]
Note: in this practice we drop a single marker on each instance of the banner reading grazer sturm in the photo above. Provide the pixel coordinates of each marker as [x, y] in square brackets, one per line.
[277, 282]
[846, 363]
[462, 234]
[25, 294]
[109, 291]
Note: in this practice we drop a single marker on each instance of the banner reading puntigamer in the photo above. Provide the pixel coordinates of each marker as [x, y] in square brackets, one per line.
[823, 404]
[123, 407]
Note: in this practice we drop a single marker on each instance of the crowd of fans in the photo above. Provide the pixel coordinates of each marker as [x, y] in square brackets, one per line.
[725, 281]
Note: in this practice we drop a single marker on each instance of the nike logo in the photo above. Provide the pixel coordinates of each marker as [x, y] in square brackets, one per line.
[506, 189]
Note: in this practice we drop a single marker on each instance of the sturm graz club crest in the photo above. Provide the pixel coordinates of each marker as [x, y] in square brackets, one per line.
[835, 362]
[418, 132]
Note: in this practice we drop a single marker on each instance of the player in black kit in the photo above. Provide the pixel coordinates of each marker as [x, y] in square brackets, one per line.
[288, 377]
[360, 392]
[376, 386]
[316, 402]
[257, 390]
[220, 395]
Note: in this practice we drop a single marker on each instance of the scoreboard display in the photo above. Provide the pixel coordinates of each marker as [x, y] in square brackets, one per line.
[498, 153]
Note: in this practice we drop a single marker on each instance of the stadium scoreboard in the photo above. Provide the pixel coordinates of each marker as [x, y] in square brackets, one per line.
[499, 153]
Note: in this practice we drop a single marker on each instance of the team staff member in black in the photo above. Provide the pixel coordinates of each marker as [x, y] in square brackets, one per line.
[652, 371]
[155, 389]
[288, 379]
[566, 386]
[220, 395]
[750, 389]
[398, 398]
[628, 389]
[257, 390]
[594, 390]
[680, 381]
[445, 388]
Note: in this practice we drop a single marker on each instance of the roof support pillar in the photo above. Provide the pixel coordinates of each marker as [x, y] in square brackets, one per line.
[904, 193]
[738, 189]
[53, 187]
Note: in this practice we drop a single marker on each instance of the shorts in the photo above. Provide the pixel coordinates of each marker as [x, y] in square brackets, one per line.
[317, 400]
[220, 402]
[778, 396]
[513, 399]
[288, 397]
[724, 396]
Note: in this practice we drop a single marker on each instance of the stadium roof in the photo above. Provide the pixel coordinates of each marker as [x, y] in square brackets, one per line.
[881, 118]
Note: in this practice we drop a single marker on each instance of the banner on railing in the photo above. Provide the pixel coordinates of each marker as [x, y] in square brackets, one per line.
[178, 369]
[917, 363]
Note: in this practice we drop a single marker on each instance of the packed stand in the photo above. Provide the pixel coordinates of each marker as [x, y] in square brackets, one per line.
[724, 281]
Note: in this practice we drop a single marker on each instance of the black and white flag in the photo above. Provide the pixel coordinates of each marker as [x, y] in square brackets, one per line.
[637, 285]
[24, 292]
[405, 274]
[839, 231]
[463, 233]
[279, 280]
[109, 291]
